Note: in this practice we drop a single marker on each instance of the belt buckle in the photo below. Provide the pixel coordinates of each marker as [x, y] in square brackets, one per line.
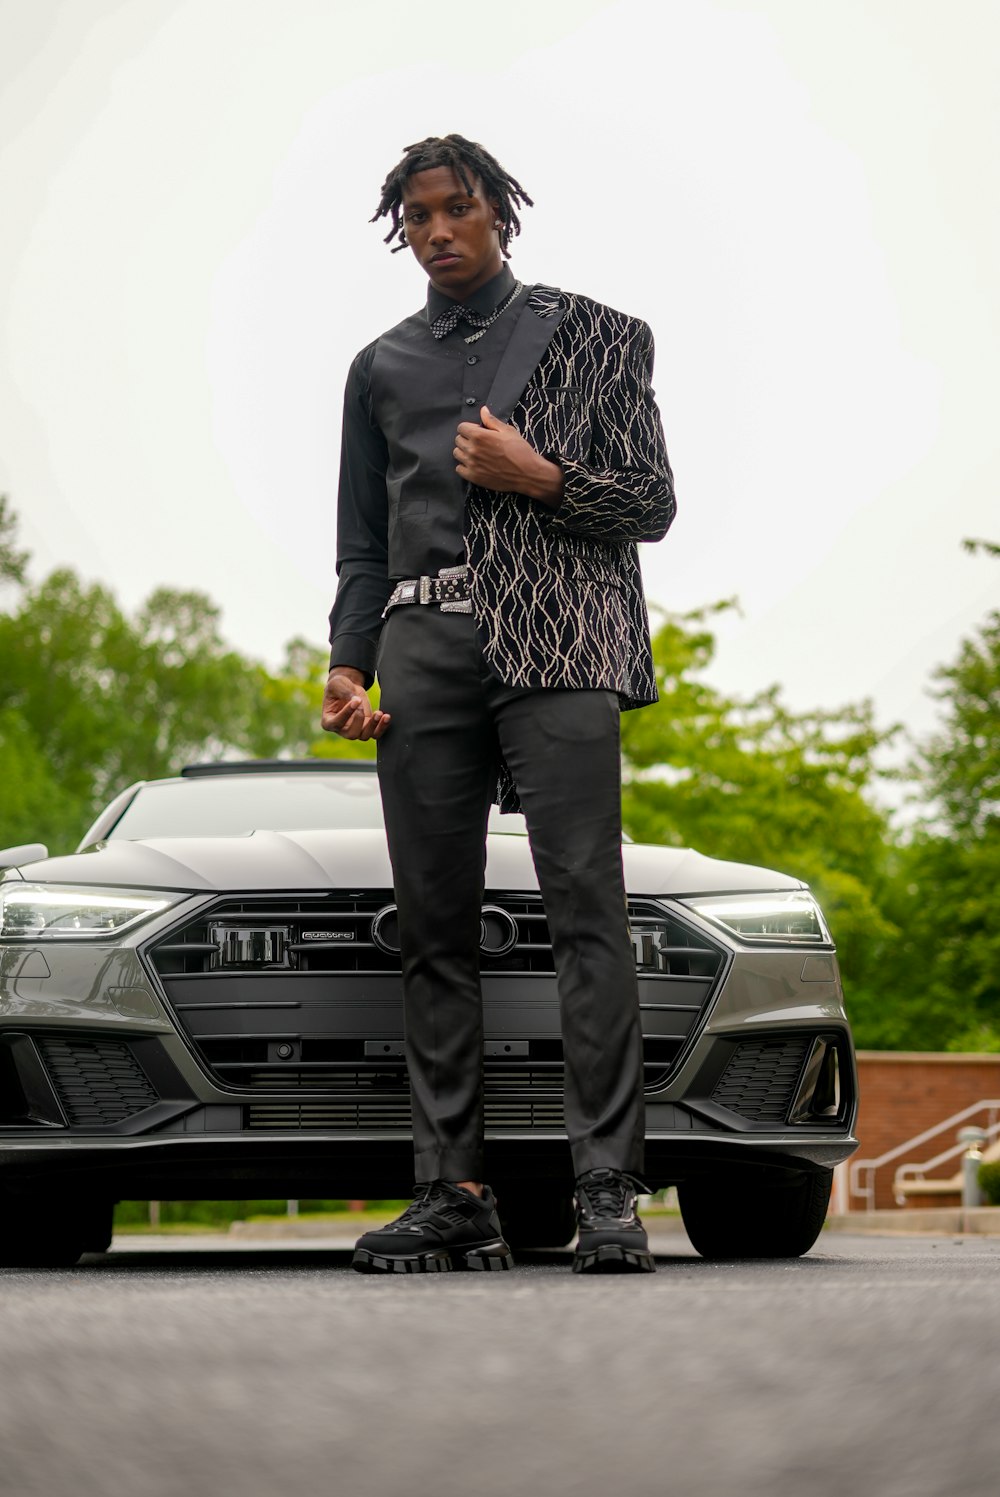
[424, 595]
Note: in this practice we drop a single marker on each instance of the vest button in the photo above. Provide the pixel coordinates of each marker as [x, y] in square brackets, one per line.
[470, 400]
[472, 359]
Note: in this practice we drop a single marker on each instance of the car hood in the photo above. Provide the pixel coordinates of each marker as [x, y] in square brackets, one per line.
[360, 860]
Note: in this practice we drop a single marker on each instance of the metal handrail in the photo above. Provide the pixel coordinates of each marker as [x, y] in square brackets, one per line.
[868, 1167]
[919, 1171]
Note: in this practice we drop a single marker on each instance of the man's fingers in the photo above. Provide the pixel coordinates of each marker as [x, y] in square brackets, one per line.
[376, 725]
[368, 726]
[348, 719]
[357, 726]
[337, 712]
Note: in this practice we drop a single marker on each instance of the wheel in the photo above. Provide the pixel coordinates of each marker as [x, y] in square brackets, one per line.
[97, 1219]
[34, 1234]
[544, 1217]
[740, 1216]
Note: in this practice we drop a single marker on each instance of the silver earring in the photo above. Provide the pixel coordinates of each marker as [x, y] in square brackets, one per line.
[497, 224]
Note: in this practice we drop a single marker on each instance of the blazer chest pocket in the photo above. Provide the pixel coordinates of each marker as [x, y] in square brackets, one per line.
[558, 420]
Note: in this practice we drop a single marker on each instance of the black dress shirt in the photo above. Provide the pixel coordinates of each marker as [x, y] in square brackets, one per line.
[401, 505]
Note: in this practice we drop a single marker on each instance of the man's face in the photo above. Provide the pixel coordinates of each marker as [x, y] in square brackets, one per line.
[451, 234]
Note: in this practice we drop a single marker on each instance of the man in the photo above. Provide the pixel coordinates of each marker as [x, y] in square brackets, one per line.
[502, 453]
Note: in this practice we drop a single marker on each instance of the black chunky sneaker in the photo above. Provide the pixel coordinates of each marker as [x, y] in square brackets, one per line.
[443, 1227]
[611, 1237]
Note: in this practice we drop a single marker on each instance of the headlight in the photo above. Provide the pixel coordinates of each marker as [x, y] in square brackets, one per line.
[61, 911]
[793, 918]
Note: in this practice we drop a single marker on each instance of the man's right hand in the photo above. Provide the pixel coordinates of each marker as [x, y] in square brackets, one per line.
[347, 709]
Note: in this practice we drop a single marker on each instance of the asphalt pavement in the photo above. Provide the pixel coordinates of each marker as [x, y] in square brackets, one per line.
[176, 1368]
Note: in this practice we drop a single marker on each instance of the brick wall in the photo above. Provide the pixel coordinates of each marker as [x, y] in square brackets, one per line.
[903, 1093]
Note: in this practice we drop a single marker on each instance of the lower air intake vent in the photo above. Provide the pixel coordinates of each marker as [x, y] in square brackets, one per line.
[98, 1082]
[760, 1080]
[391, 1114]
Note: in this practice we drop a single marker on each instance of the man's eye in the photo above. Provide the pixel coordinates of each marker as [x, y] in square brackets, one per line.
[460, 208]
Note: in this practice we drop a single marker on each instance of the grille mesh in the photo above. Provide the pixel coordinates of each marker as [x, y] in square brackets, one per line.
[98, 1082]
[252, 981]
[334, 933]
[392, 1113]
[760, 1080]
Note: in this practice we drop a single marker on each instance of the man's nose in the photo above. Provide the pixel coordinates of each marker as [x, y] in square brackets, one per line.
[440, 231]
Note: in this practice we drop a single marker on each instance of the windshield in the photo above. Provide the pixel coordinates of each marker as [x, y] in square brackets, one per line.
[235, 805]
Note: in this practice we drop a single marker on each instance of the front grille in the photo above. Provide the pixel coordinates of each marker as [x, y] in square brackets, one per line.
[98, 1082]
[334, 933]
[499, 1079]
[392, 1114]
[761, 1079]
[294, 994]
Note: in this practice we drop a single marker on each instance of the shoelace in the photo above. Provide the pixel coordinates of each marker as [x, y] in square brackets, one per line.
[419, 1209]
[422, 1208]
[606, 1193]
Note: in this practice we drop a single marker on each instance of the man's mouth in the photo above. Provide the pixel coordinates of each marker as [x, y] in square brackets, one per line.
[443, 256]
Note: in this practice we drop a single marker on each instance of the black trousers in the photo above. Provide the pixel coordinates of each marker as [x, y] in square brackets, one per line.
[437, 763]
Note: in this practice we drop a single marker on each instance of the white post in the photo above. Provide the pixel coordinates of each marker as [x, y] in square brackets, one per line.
[839, 1200]
[292, 1208]
[154, 1213]
[974, 1138]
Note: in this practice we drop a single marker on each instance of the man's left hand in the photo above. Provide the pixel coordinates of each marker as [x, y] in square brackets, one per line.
[496, 456]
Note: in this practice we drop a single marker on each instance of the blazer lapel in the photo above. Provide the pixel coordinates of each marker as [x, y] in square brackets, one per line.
[538, 320]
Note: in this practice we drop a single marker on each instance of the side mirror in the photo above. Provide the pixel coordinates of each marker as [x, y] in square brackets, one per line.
[28, 852]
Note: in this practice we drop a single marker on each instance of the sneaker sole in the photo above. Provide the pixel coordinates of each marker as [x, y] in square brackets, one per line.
[492, 1257]
[489, 1257]
[366, 1262]
[613, 1259]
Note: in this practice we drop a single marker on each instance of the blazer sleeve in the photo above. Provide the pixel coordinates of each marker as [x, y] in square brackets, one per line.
[362, 529]
[626, 492]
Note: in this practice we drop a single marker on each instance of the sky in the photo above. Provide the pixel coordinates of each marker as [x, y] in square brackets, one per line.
[800, 197]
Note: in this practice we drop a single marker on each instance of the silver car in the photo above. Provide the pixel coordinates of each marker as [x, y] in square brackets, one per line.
[204, 1002]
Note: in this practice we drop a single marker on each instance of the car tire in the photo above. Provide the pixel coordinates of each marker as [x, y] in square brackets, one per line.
[97, 1219]
[747, 1217]
[37, 1235]
[537, 1219]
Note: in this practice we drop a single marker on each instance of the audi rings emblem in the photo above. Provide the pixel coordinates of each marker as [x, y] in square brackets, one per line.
[385, 930]
[497, 931]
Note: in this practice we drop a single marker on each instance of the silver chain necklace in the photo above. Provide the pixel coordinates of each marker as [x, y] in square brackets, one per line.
[497, 312]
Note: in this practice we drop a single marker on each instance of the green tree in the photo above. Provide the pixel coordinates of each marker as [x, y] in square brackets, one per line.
[13, 563]
[749, 780]
[944, 895]
[92, 699]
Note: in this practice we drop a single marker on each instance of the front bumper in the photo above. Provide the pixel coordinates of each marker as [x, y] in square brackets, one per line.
[146, 1117]
[332, 1166]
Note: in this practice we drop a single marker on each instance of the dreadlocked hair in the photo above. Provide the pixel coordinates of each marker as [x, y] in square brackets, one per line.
[467, 159]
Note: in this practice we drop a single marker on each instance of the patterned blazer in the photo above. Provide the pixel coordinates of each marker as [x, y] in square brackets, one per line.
[557, 594]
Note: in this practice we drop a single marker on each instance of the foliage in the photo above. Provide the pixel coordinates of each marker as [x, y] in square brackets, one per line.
[750, 781]
[960, 764]
[219, 1214]
[92, 699]
[989, 1181]
[13, 563]
[946, 889]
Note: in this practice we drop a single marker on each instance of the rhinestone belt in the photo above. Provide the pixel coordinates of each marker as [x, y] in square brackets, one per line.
[449, 589]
